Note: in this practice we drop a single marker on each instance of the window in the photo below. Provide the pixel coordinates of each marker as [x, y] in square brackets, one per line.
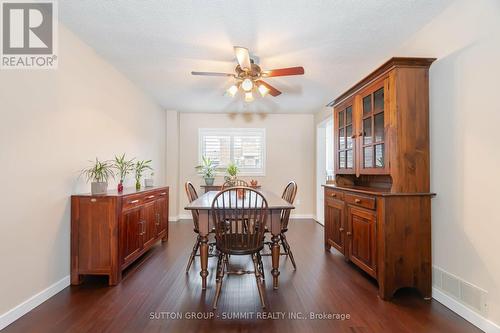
[246, 147]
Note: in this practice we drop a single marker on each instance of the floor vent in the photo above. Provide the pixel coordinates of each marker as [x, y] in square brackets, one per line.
[466, 293]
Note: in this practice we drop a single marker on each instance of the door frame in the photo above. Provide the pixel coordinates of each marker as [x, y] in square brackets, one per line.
[321, 157]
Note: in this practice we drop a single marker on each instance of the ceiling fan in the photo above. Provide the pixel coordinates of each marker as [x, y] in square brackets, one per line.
[249, 76]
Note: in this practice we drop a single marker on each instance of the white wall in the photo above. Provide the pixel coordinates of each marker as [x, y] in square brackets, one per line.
[465, 154]
[289, 156]
[51, 123]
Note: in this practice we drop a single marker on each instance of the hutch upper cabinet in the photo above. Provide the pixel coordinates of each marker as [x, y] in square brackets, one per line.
[377, 213]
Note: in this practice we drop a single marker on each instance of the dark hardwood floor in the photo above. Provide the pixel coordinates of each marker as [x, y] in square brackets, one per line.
[157, 287]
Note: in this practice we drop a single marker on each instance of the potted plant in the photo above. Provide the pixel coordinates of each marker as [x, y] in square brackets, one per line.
[98, 174]
[232, 170]
[140, 167]
[207, 170]
[123, 168]
[149, 182]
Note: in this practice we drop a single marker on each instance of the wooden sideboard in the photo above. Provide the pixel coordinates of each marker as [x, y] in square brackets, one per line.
[378, 211]
[109, 232]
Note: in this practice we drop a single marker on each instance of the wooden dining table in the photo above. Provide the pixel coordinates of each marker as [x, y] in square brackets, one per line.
[204, 206]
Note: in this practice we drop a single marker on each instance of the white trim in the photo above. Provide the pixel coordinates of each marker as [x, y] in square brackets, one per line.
[463, 311]
[302, 216]
[20, 310]
[185, 216]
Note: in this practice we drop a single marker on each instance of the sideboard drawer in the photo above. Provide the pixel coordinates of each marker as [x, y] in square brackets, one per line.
[333, 194]
[360, 200]
[132, 201]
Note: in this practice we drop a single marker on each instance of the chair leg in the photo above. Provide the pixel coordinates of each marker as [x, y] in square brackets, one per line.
[282, 237]
[261, 266]
[260, 285]
[220, 275]
[193, 253]
[290, 254]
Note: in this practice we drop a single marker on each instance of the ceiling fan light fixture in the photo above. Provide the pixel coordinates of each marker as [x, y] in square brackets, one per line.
[248, 97]
[231, 91]
[263, 90]
[247, 85]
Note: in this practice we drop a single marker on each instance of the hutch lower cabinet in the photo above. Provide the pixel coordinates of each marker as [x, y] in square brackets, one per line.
[378, 209]
[386, 235]
[109, 232]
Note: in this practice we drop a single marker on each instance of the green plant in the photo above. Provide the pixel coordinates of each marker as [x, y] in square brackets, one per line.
[123, 167]
[140, 167]
[232, 169]
[207, 167]
[99, 172]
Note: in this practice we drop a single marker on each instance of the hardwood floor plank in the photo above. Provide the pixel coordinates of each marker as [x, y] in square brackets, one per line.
[158, 287]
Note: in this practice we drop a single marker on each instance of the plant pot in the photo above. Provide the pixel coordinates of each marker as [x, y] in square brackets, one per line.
[98, 188]
[138, 184]
[120, 186]
[209, 181]
[149, 182]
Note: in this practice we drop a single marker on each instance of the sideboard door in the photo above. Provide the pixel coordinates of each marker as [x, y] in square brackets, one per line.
[162, 215]
[362, 239]
[148, 215]
[132, 234]
[334, 224]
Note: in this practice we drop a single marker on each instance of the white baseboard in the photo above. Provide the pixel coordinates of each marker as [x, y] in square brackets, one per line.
[302, 216]
[463, 311]
[20, 310]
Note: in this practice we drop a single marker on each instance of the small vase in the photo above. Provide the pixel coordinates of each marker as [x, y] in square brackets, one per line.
[209, 181]
[120, 186]
[138, 184]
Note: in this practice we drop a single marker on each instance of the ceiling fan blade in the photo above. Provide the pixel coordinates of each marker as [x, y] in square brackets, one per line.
[284, 71]
[272, 91]
[243, 57]
[211, 74]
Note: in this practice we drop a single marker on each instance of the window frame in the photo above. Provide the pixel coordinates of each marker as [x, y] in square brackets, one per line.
[232, 132]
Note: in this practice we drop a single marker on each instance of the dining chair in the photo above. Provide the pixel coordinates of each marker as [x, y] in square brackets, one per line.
[192, 195]
[233, 183]
[289, 195]
[239, 215]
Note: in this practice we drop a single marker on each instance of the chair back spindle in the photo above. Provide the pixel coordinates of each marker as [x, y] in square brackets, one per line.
[239, 215]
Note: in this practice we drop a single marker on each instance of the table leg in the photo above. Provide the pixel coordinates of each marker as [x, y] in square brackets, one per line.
[275, 248]
[203, 225]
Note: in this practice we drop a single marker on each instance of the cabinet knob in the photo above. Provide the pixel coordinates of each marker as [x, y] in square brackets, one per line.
[333, 194]
[348, 233]
[357, 200]
[341, 229]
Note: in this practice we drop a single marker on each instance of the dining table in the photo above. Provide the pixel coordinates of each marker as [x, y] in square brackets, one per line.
[275, 205]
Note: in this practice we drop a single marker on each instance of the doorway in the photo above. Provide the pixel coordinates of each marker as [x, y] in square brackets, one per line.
[324, 162]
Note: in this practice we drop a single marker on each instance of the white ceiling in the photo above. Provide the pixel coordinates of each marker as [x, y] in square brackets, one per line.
[157, 43]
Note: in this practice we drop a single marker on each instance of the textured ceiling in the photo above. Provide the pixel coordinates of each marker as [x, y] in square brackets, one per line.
[157, 43]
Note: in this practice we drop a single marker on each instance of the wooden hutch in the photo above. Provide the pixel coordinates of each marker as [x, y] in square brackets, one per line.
[110, 231]
[378, 210]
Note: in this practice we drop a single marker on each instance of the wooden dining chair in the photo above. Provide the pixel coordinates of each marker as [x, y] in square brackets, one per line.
[192, 195]
[289, 195]
[233, 183]
[239, 215]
